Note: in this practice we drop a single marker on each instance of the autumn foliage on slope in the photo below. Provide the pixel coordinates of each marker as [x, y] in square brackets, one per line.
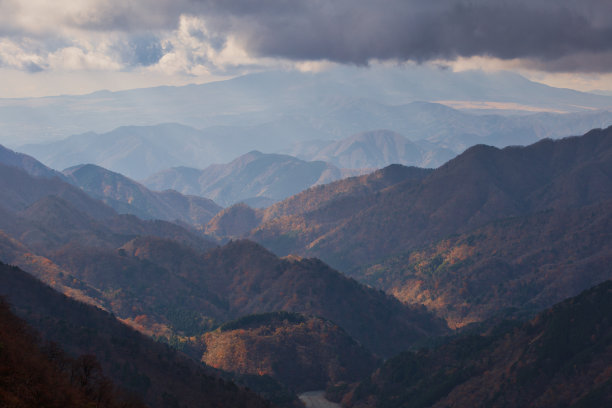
[153, 371]
[304, 352]
[32, 376]
[526, 263]
[479, 186]
[563, 357]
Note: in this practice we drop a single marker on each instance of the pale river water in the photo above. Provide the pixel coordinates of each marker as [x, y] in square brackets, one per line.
[316, 399]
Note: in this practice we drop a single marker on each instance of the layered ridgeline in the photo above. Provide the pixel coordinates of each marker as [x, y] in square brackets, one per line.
[292, 107]
[148, 370]
[129, 197]
[255, 178]
[122, 194]
[46, 214]
[167, 288]
[560, 358]
[374, 150]
[419, 134]
[27, 163]
[398, 227]
[479, 186]
[159, 278]
[41, 216]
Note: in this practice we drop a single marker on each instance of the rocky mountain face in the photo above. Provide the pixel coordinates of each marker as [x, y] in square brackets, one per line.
[560, 358]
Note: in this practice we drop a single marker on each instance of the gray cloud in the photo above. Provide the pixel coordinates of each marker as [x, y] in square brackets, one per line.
[357, 31]
[554, 35]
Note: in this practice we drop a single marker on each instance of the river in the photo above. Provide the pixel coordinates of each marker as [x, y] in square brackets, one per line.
[316, 399]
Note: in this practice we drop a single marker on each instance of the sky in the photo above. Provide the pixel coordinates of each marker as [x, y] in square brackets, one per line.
[78, 46]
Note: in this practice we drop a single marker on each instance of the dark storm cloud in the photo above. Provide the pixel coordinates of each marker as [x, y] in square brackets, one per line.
[548, 32]
[556, 35]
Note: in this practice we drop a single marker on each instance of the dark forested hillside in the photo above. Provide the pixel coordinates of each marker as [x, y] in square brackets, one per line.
[563, 357]
[519, 263]
[153, 371]
[35, 374]
[164, 287]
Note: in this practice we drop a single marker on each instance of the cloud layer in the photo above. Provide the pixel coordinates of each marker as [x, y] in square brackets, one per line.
[196, 36]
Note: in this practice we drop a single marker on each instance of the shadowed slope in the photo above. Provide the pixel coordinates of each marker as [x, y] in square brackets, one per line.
[560, 358]
[152, 370]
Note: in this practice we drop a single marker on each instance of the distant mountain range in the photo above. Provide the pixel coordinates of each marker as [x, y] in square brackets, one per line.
[254, 178]
[279, 108]
[134, 151]
[122, 194]
[438, 131]
[374, 150]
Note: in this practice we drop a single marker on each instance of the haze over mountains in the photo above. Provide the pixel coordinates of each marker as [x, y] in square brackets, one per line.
[373, 150]
[275, 107]
[129, 197]
[254, 178]
[439, 132]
